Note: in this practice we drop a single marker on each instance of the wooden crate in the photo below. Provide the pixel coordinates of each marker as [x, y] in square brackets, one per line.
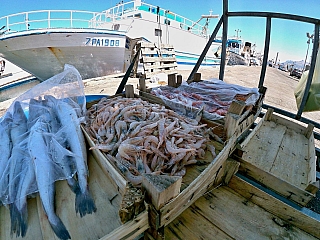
[105, 223]
[280, 154]
[166, 202]
[237, 120]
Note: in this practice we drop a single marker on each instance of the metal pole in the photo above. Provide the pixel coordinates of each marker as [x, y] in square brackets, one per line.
[127, 74]
[311, 71]
[266, 52]
[224, 39]
[205, 50]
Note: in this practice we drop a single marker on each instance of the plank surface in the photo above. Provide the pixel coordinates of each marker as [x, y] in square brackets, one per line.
[294, 216]
[230, 216]
[291, 163]
[264, 146]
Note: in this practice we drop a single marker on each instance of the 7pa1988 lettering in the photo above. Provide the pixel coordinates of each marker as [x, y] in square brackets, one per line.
[102, 42]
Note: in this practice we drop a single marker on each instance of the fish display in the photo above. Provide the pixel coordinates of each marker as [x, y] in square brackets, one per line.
[141, 137]
[39, 148]
[214, 96]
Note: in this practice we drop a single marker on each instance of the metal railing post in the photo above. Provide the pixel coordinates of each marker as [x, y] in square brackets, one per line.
[266, 52]
[205, 50]
[224, 39]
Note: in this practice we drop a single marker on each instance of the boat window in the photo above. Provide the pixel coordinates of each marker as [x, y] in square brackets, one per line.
[170, 15]
[144, 8]
[138, 15]
[166, 21]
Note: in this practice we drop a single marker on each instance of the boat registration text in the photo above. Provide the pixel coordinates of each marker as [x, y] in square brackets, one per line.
[102, 42]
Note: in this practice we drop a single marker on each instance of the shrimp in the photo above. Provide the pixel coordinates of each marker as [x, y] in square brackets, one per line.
[103, 147]
[212, 149]
[181, 172]
[171, 150]
[178, 157]
[121, 127]
[126, 149]
[162, 131]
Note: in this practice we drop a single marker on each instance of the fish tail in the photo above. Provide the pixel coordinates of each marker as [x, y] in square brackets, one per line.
[84, 203]
[19, 220]
[60, 229]
[15, 217]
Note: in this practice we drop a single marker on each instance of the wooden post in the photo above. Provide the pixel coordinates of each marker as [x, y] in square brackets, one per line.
[142, 84]
[172, 80]
[197, 77]
[179, 80]
[161, 188]
[129, 91]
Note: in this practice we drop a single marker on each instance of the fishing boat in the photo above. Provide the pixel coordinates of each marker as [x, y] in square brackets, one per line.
[98, 43]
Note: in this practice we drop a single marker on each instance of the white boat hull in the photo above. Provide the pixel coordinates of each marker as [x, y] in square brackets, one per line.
[98, 44]
[45, 54]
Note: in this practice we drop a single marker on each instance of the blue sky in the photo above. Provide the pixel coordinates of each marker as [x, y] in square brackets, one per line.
[288, 38]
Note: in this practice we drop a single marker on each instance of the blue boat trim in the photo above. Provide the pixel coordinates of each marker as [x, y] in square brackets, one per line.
[19, 83]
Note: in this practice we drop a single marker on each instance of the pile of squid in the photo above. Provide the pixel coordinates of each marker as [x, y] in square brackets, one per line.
[141, 137]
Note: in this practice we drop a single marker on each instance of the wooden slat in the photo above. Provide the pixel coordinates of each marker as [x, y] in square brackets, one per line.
[242, 219]
[312, 160]
[131, 229]
[191, 224]
[149, 52]
[167, 52]
[275, 206]
[147, 45]
[167, 46]
[146, 59]
[291, 163]
[282, 187]
[263, 148]
[159, 66]
[150, 74]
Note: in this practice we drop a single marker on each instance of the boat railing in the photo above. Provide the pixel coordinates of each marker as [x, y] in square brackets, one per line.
[132, 9]
[46, 19]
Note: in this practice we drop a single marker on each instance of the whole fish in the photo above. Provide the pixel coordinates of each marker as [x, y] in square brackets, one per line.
[69, 120]
[27, 186]
[18, 161]
[5, 149]
[58, 148]
[44, 172]
[18, 133]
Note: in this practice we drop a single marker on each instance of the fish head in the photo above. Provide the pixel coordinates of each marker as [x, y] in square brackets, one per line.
[18, 113]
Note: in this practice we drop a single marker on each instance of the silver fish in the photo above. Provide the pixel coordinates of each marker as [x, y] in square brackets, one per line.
[69, 120]
[5, 149]
[18, 133]
[44, 171]
[58, 148]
